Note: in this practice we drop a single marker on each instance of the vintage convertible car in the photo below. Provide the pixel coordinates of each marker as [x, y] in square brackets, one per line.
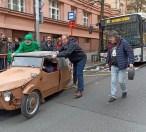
[26, 84]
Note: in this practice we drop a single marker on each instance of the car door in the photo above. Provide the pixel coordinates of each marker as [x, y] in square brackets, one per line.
[49, 83]
[65, 77]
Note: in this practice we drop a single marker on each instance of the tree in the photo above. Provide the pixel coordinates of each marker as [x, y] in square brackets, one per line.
[137, 5]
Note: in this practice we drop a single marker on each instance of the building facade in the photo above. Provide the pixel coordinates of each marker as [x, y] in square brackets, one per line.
[118, 4]
[17, 19]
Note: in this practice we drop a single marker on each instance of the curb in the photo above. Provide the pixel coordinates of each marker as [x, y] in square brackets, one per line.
[92, 66]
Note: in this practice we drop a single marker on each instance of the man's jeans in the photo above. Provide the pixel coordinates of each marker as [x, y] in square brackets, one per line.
[78, 74]
[114, 74]
[2, 63]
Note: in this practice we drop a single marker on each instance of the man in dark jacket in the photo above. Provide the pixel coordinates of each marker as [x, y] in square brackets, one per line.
[120, 55]
[49, 45]
[11, 49]
[3, 50]
[44, 40]
[17, 44]
[77, 56]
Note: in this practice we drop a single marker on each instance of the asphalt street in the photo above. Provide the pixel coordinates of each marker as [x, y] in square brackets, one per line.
[62, 112]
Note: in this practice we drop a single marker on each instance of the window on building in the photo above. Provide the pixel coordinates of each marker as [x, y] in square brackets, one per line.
[86, 40]
[117, 4]
[54, 9]
[17, 5]
[121, 8]
[85, 18]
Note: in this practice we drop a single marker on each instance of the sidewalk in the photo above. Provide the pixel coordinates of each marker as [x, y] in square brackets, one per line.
[91, 65]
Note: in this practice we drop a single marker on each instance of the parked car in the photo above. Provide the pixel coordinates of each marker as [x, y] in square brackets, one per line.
[25, 84]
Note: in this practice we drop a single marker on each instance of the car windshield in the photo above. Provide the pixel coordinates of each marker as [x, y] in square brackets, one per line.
[27, 61]
[128, 31]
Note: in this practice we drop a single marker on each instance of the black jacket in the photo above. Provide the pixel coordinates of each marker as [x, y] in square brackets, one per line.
[17, 44]
[73, 51]
[45, 47]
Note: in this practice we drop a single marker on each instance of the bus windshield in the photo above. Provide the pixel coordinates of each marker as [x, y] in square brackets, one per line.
[129, 31]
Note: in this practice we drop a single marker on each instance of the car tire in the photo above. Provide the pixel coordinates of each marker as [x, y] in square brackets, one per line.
[30, 104]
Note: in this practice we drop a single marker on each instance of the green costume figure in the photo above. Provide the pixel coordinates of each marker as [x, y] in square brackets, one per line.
[28, 45]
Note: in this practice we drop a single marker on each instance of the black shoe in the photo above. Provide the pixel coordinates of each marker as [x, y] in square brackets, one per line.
[112, 99]
[124, 95]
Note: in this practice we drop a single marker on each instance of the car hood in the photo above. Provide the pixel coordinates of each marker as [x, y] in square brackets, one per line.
[16, 77]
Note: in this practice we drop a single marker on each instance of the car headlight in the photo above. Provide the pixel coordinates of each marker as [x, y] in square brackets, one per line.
[8, 96]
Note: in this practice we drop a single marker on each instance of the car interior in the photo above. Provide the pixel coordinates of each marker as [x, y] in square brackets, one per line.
[50, 65]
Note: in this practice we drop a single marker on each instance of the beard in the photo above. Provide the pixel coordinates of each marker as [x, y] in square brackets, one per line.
[28, 43]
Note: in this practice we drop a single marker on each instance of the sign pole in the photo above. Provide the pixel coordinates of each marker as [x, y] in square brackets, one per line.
[72, 23]
[71, 31]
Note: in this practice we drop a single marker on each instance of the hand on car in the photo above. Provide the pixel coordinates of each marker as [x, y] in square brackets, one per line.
[12, 55]
[107, 65]
[131, 65]
[57, 52]
[54, 56]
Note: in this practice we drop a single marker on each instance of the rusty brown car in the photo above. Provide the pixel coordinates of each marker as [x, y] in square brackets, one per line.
[26, 84]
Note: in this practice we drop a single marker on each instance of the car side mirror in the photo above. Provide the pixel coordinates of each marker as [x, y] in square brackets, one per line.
[90, 29]
[145, 27]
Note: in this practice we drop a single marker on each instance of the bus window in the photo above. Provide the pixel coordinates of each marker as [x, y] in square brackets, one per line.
[128, 31]
[129, 27]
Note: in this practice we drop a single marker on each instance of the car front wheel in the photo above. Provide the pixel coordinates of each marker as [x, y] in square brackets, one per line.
[30, 104]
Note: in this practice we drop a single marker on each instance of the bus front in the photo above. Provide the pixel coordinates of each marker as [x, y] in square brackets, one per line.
[129, 27]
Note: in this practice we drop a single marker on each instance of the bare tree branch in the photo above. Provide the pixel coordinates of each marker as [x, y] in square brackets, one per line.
[137, 5]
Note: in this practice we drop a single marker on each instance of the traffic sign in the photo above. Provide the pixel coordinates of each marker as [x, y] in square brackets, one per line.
[72, 24]
[41, 18]
[72, 16]
[41, 4]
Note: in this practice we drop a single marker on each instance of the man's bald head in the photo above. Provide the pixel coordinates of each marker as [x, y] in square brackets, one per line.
[65, 38]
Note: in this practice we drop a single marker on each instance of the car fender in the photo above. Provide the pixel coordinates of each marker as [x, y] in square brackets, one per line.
[28, 89]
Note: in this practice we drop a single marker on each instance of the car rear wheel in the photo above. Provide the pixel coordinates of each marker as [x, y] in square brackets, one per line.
[30, 104]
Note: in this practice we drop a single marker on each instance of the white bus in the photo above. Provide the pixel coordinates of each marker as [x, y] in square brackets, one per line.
[132, 28]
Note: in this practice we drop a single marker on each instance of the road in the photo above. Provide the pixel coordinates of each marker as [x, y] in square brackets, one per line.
[91, 113]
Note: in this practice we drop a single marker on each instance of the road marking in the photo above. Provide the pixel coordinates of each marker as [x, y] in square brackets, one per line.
[69, 88]
[96, 75]
[66, 88]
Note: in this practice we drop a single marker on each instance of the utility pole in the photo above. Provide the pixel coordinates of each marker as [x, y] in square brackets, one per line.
[39, 17]
[34, 24]
[100, 29]
[37, 22]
